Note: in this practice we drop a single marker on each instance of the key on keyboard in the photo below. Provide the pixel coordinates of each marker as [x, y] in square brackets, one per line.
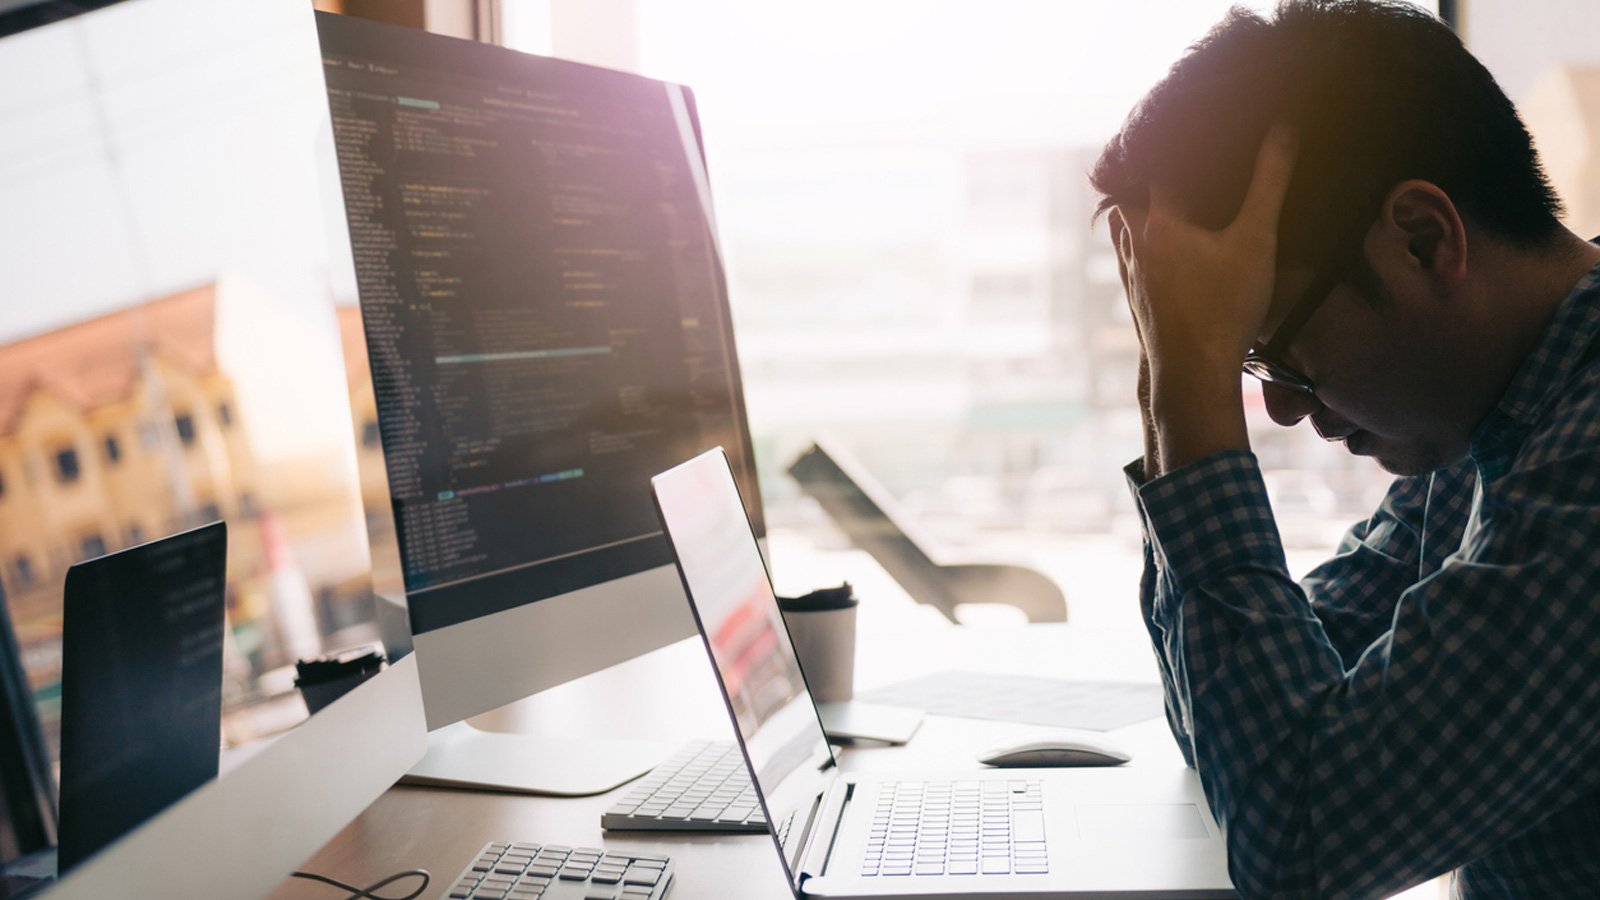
[705, 786]
[958, 828]
[523, 871]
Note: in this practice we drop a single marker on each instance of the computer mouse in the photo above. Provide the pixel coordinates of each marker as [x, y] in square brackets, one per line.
[1058, 751]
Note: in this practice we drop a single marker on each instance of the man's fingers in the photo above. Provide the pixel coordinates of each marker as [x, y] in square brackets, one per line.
[1121, 241]
[1122, 264]
[1127, 256]
[1274, 167]
[1133, 219]
[1126, 262]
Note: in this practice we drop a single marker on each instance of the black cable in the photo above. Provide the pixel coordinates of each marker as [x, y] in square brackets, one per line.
[370, 892]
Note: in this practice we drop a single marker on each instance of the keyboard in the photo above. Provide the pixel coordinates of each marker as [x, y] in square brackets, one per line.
[705, 786]
[957, 828]
[507, 870]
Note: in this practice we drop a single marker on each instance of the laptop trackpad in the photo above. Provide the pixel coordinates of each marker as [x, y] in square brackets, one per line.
[1141, 820]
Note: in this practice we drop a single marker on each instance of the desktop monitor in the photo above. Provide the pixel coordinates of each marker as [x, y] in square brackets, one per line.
[170, 355]
[547, 324]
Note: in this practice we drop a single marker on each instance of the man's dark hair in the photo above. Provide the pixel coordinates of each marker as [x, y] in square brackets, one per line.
[1378, 92]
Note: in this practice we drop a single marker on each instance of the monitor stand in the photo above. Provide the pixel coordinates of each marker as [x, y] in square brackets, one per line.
[465, 756]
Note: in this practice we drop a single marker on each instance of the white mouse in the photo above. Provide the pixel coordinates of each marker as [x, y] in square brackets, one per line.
[1058, 750]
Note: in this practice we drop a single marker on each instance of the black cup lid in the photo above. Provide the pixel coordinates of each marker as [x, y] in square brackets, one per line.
[841, 597]
[322, 671]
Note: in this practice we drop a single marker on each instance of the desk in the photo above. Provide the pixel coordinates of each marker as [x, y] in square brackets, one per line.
[671, 694]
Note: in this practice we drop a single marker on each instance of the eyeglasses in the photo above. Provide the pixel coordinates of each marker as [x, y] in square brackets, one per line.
[1264, 364]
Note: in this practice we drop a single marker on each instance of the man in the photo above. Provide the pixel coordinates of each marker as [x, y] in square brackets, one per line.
[1342, 200]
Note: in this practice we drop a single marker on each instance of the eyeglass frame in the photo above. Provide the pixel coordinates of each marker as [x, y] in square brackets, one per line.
[1263, 363]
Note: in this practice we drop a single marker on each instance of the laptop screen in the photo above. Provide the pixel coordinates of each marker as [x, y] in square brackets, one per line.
[141, 684]
[749, 646]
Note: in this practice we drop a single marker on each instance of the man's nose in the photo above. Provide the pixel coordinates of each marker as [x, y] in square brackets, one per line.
[1287, 406]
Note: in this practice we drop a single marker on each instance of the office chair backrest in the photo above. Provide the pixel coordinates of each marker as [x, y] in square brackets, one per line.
[870, 518]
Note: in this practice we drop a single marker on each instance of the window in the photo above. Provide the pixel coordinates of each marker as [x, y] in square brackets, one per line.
[22, 567]
[67, 470]
[184, 423]
[91, 546]
[905, 220]
[113, 449]
[1543, 55]
[1008, 295]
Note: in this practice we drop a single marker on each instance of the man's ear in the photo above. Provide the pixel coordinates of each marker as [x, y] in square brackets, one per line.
[1420, 235]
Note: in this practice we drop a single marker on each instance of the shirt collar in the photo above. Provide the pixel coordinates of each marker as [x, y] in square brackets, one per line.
[1557, 356]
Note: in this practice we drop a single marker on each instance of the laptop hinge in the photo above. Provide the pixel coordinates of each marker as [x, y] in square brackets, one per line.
[820, 842]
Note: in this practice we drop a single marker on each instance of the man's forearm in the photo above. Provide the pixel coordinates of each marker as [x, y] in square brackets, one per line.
[1195, 413]
[1147, 418]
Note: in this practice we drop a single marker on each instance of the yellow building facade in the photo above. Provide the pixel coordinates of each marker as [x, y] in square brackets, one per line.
[114, 431]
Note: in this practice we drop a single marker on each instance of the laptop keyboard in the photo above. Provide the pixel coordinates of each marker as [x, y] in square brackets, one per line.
[957, 828]
[705, 786]
[522, 871]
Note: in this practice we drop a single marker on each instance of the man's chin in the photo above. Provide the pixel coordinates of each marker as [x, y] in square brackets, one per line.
[1403, 461]
[1402, 468]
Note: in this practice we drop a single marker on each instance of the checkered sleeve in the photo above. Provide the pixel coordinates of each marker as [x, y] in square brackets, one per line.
[1165, 643]
[1469, 720]
[1353, 593]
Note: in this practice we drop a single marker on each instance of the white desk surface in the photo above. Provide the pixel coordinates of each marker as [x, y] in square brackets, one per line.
[671, 695]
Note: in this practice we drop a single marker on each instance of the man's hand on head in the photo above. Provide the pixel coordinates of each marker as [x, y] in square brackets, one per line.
[1199, 300]
[1152, 460]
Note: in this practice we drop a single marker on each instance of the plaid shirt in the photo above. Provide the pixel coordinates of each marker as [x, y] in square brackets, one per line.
[1429, 698]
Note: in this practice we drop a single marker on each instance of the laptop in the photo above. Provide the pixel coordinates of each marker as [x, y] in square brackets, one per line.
[1129, 832]
[141, 684]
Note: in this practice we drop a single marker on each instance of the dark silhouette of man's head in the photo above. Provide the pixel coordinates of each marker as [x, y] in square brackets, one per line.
[1378, 92]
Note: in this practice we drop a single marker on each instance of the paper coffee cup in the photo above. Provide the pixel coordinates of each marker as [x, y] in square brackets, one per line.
[822, 626]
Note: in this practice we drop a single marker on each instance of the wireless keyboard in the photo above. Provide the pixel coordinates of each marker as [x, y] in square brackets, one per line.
[705, 786]
[507, 870]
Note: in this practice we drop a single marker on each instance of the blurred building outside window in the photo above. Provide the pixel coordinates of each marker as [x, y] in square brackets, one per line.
[184, 423]
[93, 545]
[67, 470]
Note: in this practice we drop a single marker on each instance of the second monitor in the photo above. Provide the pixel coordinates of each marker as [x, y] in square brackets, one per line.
[548, 326]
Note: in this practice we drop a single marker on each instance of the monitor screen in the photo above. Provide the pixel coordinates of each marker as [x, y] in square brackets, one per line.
[170, 355]
[545, 310]
[21, 15]
[141, 684]
[170, 350]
